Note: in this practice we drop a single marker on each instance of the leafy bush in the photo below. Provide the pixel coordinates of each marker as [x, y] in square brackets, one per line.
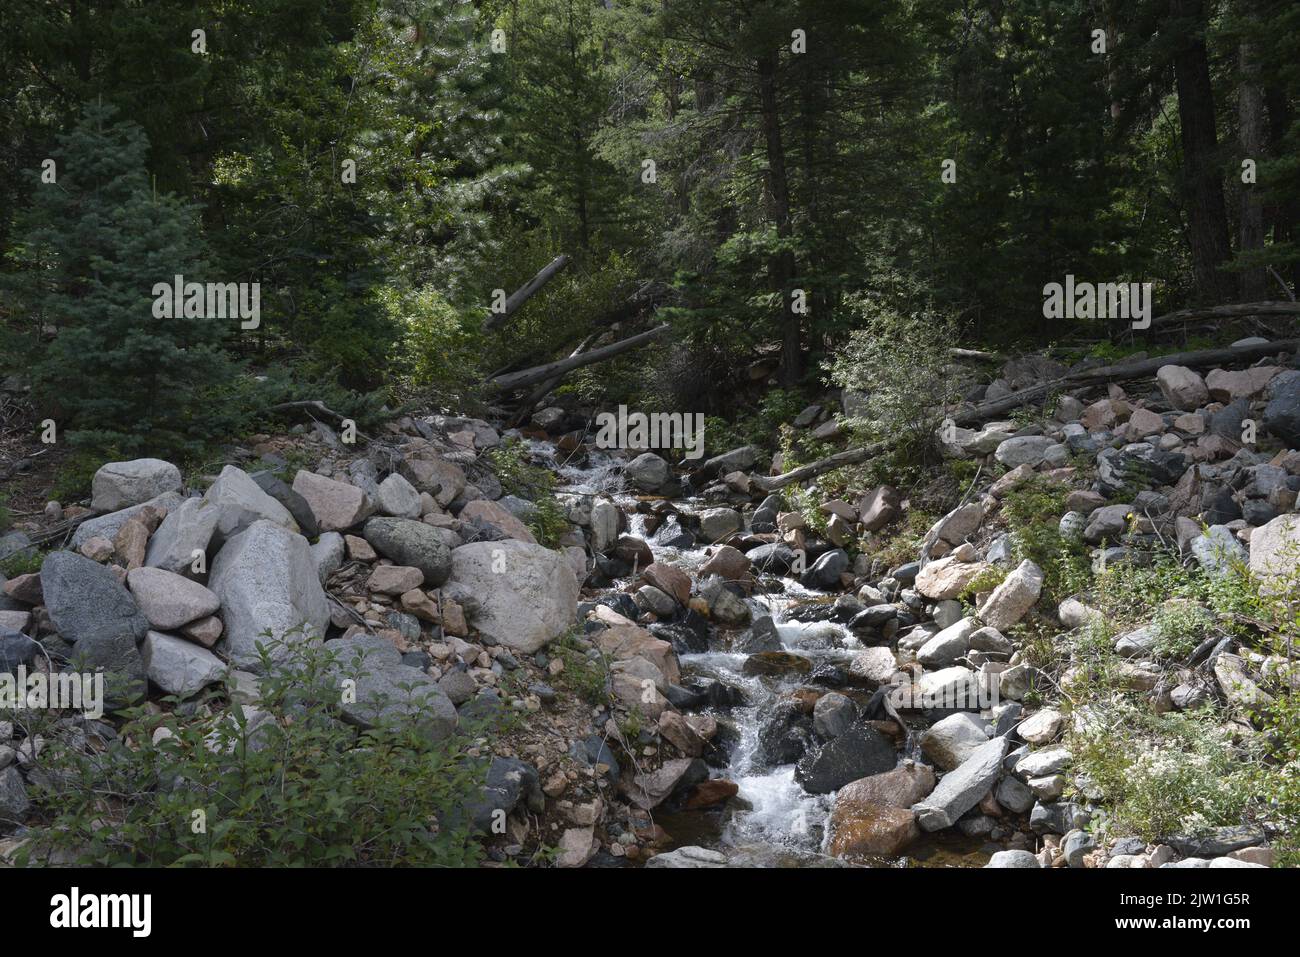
[295, 788]
[1176, 773]
[899, 363]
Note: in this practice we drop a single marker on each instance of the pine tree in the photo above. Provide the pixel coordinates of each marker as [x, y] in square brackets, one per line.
[89, 250]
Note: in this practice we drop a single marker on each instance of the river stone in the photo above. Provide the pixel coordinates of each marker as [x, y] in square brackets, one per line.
[762, 635]
[327, 555]
[948, 645]
[337, 505]
[947, 577]
[185, 530]
[15, 649]
[647, 472]
[688, 857]
[1041, 727]
[1043, 763]
[872, 830]
[873, 666]
[950, 742]
[14, 802]
[727, 562]
[389, 692]
[118, 485]
[527, 594]
[429, 472]
[107, 526]
[408, 542]
[1014, 795]
[180, 667]
[737, 460]
[718, 523]
[483, 511]
[240, 502]
[857, 753]
[398, 498]
[1028, 450]
[669, 579]
[1013, 598]
[604, 523]
[647, 790]
[961, 789]
[169, 600]
[1005, 859]
[1282, 414]
[1275, 551]
[266, 581]
[825, 572]
[86, 601]
[833, 714]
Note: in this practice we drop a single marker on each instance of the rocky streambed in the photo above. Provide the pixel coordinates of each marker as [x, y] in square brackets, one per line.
[776, 658]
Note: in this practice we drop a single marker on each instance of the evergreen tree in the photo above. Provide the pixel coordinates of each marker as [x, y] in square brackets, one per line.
[88, 252]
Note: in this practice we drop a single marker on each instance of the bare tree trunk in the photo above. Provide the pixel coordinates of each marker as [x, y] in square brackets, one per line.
[526, 377]
[1250, 112]
[783, 263]
[1207, 215]
[525, 292]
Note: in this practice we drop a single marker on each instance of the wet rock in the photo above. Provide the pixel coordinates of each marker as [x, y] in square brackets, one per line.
[762, 635]
[861, 751]
[825, 572]
[647, 472]
[776, 663]
[833, 715]
[871, 830]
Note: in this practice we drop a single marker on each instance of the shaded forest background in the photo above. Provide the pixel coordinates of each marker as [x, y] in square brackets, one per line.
[765, 176]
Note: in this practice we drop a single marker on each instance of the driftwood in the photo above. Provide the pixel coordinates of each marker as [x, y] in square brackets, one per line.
[984, 411]
[1239, 310]
[525, 292]
[550, 370]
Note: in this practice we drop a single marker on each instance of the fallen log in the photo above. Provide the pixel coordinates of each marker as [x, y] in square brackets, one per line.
[1236, 311]
[526, 291]
[527, 377]
[984, 411]
[536, 396]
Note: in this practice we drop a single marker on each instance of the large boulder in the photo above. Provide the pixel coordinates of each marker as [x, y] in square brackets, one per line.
[397, 497]
[1275, 551]
[429, 472]
[107, 526]
[1282, 414]
[647, 472]
[387, 692]
[336, 505]
[267, 582]
[951, 741]
[737, 460]
[408, 542]
[1028, 450]
[872, 830]
[947, 577]
[180, 667]
[483, 512]
[168, 600]
[1013, 598]
[961, 789]
[118, 485]
[860, 751]
[240, 502]
[183, 535]
[86, 602]
[527, 594]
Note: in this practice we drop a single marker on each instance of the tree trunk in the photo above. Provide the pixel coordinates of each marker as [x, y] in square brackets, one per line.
[526, 377]
[525, 292]
[783, 264]
[1207, 214]
[1250, 112]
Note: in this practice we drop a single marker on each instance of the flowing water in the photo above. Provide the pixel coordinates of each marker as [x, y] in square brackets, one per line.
[772, 820]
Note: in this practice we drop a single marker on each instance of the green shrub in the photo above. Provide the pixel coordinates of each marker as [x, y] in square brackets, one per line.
[299, 789]
[1033, 511]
